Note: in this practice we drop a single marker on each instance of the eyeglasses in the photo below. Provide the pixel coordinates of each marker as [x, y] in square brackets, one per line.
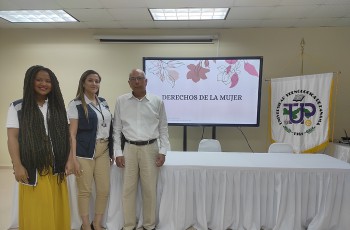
[136, 78]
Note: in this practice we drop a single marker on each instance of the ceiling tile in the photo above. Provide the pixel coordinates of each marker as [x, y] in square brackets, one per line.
[302, 2]
[330, 11]
[130, 14]
[8, 5]
[279, 23]
[171, 24]
[249, 12]
[134, 13]
[103, 24]
[291, 11]
[79, 4]
[256, 3]
[112, 4]
[342, 22]
[85, 15]
[32, 4]
[73, 25]
[312, 22]
[242, 23]
[137, 24]
[206, 24]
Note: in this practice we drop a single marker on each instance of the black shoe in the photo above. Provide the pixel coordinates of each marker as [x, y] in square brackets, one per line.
[92, 226]
[146, 229]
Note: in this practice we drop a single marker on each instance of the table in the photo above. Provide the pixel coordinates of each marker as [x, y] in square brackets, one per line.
[242, 191]
[339, 151]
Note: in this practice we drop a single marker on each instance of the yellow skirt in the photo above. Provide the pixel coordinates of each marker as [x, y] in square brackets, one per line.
[45, 206]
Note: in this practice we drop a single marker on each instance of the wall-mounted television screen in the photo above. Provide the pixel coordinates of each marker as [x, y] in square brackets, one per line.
[207, 91]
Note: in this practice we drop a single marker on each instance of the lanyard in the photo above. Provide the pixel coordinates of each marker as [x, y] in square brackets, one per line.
[100, 111]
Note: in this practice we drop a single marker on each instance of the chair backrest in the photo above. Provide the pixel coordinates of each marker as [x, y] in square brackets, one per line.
[209, 145]
[280, 148]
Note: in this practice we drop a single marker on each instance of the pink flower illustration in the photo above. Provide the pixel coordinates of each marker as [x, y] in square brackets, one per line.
[232, 62]
[234, 80]
[166, 70]
[228, 69]
[251, 69]
[173, 74]
[196, 72]
[206, 63]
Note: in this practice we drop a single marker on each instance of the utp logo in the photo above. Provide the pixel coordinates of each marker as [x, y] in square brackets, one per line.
[299, 112]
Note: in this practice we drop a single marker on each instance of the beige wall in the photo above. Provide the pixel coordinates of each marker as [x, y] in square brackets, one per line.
[70, 52]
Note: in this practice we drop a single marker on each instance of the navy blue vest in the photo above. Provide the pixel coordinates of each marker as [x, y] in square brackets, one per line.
[87, 131]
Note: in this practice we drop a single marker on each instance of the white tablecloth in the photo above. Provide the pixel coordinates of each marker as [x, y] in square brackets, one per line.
[242, 191]
[339, 151]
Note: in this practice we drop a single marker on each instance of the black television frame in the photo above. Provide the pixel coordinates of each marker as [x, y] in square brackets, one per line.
[240, 58]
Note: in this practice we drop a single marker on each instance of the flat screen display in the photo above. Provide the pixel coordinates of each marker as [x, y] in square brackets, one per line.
[207, 91]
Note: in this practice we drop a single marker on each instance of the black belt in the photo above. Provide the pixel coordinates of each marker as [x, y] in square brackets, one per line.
[141, 142]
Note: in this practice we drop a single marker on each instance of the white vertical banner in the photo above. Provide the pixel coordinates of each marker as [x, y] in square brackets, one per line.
[300, 110]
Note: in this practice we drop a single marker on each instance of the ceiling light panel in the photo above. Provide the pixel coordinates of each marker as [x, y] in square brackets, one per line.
[182, 14]
[37, 16]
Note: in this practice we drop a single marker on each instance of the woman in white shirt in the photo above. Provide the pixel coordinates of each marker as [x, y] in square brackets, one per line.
[38, 143]
[90, 128]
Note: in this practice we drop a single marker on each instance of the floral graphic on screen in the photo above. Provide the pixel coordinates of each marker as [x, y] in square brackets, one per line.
[198, 72]
[229, 73]
[166, 70]
[251, 69]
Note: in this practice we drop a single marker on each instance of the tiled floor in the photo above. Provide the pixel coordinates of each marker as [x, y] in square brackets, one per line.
[7, 181]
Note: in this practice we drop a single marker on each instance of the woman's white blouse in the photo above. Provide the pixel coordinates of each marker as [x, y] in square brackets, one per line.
[12, 117]
[102, 132]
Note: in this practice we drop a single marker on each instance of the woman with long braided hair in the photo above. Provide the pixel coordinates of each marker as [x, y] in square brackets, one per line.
[39, 146]
[90, 127]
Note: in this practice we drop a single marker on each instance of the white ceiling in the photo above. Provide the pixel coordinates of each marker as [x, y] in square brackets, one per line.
[133, 14]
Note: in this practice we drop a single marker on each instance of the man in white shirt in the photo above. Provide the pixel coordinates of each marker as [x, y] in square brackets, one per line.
[142, 119]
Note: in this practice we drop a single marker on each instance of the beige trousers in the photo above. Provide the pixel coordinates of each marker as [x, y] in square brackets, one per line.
[97, 169]
[140, 162]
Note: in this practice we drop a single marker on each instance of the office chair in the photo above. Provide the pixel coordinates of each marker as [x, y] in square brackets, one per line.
[280, 148]
[209, 145]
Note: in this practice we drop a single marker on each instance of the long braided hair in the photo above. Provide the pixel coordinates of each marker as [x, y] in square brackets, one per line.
[80, 91]
[37, 149]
